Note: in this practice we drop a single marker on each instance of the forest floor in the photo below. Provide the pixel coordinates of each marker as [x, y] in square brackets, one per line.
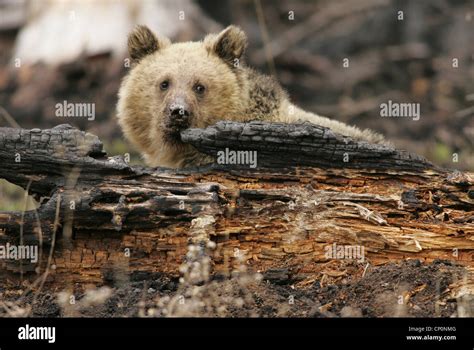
[407, 289]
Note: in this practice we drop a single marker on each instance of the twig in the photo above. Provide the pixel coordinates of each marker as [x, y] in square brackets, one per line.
[10, 120]
[265, 37]
[315, 23]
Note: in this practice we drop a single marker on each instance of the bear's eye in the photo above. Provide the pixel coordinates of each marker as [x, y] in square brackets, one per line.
[199, 88]
[164, 85]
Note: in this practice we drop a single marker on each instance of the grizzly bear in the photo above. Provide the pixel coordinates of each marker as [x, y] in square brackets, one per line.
[172, 87]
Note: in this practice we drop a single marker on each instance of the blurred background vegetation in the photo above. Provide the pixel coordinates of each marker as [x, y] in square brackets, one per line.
[399, 50]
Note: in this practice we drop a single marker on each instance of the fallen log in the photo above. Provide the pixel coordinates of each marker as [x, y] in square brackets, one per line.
[318, 204]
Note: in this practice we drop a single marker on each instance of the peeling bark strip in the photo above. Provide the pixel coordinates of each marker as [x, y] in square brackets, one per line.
[116, 217]
[283, 145]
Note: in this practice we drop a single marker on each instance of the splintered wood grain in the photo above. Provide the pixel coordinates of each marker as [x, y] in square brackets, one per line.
[265, 223]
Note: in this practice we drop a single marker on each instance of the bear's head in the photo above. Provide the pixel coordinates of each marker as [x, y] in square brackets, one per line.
[174, 86]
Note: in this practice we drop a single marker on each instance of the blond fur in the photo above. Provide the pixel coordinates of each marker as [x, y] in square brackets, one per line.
[233, 92]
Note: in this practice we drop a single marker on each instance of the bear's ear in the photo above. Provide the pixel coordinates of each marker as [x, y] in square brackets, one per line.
[142, 42]
[230, 44]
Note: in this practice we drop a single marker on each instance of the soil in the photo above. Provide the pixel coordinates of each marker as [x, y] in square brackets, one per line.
[409, 289]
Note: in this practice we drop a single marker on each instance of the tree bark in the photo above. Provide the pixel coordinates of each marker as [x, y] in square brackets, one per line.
[312, 193]
[282, 145]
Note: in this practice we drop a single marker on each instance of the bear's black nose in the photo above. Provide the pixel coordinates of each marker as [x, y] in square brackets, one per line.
[179, 111]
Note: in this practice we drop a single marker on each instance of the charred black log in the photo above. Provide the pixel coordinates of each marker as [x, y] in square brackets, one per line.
[281, 216]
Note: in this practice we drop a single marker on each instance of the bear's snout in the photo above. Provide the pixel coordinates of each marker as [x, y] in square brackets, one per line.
[179, 114]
